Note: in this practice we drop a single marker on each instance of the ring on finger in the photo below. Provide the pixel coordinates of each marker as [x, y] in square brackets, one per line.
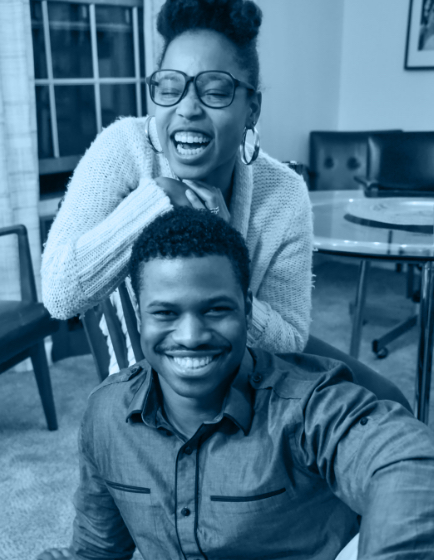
[215, 210]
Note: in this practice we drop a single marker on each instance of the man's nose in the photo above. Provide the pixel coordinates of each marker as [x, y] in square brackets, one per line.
[191, 332]
[190, 105]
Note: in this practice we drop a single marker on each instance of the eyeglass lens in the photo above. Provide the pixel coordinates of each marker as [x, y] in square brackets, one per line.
[215, 89]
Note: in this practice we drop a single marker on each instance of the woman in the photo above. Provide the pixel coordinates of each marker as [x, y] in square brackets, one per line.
[206, 95]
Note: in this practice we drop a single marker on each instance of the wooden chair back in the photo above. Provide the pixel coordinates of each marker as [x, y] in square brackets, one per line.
[98, 342]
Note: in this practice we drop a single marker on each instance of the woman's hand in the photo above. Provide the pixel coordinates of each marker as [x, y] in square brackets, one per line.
[175, 190]
[196, 194]
[203, 196]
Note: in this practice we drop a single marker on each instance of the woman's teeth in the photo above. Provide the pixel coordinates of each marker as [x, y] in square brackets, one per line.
[190, 144]
[193, 363]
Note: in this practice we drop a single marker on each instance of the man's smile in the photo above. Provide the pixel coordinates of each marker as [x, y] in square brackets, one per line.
[196, 362]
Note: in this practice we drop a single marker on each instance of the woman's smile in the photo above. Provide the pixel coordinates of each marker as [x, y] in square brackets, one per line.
[190, 144]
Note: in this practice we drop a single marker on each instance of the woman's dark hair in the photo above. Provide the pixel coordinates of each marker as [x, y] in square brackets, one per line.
[186, 232]
[237, 20]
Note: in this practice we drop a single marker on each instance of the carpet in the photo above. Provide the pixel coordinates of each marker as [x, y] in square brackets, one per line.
[39, 468]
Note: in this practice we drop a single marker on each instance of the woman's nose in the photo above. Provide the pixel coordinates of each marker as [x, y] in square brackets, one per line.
[190, 106]
[191, 332]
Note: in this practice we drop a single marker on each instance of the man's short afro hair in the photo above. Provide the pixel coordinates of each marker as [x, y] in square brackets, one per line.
[186, 232]
[238, 20]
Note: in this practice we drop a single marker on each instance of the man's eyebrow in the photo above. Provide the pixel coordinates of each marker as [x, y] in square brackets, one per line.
[219, 299]
[160, 303]
[211, 301]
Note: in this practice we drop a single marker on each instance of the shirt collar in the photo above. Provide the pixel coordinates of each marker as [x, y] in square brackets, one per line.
[237, 407]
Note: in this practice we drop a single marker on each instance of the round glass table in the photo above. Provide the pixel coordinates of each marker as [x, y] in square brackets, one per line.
[347, 223]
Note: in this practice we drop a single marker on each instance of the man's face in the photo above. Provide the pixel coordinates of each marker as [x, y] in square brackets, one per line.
[194, 323]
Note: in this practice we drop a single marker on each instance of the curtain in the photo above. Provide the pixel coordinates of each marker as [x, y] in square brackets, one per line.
[153, 40]
[19, 186]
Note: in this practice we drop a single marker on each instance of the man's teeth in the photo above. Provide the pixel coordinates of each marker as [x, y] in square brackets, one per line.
[192, 363]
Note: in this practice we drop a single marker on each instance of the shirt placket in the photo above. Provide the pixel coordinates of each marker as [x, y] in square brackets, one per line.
[187, 499]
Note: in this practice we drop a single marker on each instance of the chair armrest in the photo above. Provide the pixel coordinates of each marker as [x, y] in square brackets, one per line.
[27, 277]
[382, 387]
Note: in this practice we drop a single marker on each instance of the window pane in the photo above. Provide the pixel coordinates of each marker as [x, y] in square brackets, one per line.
[70, 40]
[76, 121]
[142, 44]
[117, 100]
[43, 116]
[38, 40]
[115, 41]
[144, 99]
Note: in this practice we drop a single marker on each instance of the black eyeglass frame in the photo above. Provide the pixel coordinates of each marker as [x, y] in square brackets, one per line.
[188, 79]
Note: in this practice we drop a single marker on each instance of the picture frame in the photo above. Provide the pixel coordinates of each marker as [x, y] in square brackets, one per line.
[419, 51]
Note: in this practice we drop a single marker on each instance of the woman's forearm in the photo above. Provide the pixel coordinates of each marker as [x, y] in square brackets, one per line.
[109, 201]
[79, 273]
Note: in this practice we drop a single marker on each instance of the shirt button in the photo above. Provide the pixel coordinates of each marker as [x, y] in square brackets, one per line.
[185, 511]
[257, 378]
[363, 421]
[188, 450]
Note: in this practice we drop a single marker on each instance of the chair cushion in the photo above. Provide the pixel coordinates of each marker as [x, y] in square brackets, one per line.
[22, 324]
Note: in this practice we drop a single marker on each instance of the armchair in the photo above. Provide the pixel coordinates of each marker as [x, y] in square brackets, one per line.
[23, 326]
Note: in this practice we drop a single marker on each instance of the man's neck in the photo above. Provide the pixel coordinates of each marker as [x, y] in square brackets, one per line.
[187, 414]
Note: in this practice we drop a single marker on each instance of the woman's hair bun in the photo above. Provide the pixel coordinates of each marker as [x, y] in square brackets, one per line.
[238, 20]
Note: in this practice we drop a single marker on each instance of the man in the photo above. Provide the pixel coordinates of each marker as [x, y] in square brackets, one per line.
[211, 450]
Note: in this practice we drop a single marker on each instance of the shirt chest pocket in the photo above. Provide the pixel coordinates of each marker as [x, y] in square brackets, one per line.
[136, 507]
[129, 494]
[249, 520]
[249, 503]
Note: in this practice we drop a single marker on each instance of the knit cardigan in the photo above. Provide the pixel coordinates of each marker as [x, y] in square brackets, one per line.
[113, 196]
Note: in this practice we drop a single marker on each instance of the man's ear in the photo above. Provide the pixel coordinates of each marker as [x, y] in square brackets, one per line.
[249, 307]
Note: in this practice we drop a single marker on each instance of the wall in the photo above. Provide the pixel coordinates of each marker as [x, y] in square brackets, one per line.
[300, 55]
[376, 92]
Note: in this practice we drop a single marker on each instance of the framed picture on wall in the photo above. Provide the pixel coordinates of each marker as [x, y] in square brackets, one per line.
[419, 53]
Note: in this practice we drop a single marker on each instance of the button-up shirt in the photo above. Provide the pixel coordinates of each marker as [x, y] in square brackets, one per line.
[296, 457]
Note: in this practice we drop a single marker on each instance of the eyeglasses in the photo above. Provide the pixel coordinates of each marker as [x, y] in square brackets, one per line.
[214, 89]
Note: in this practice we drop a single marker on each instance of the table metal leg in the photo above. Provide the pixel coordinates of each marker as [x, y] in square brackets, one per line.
[356, 333]
[425, 350]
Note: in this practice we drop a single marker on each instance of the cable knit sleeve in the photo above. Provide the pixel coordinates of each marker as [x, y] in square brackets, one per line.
[110, 199]
[282, 302]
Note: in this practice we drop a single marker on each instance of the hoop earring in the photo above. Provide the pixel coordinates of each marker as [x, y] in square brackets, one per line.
[255, 146]
[148, 136]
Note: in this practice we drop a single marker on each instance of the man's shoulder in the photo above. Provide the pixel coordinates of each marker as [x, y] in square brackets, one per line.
[296, 374]
[126, 381]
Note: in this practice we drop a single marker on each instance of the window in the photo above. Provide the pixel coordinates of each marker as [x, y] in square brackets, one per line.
[89, 69]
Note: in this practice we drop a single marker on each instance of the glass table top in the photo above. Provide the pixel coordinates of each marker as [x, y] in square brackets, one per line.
[348, 223]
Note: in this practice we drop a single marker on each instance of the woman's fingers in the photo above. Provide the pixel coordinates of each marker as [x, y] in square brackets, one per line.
[212, 198]
[196, 194]
[207, 193]
[194, 200]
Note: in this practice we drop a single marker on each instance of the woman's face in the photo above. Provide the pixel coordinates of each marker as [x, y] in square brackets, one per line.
[214, 135]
